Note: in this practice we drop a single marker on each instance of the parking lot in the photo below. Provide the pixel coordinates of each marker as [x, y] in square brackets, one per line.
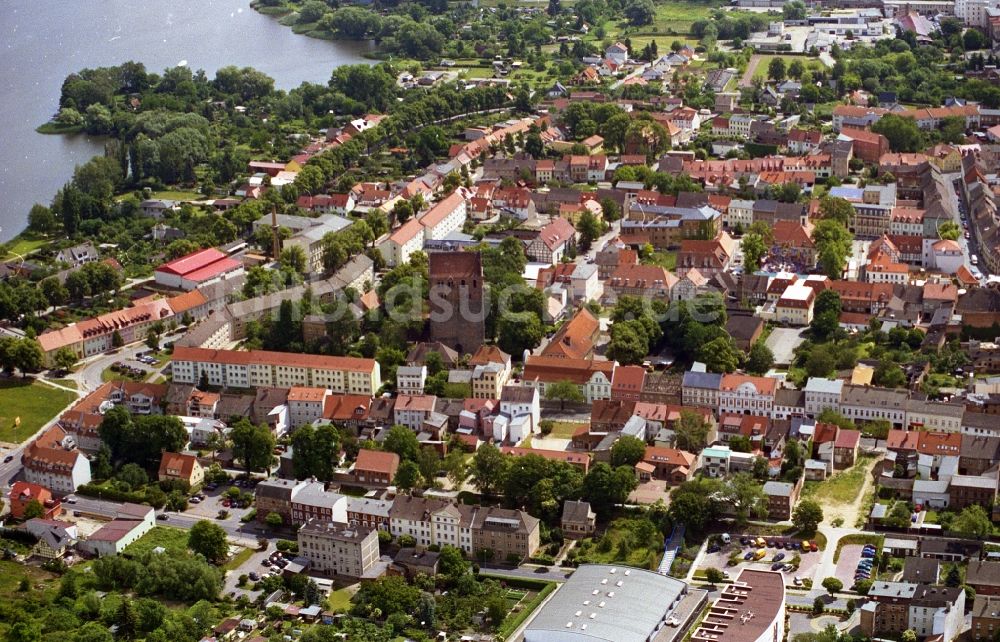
[720, 560]
[782, 342]
[847, 564]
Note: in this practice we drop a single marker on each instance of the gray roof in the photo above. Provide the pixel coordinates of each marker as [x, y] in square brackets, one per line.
[576, 511]
[778, 489]
[629, 612]
[892, 589]
[825, 386]
[708, 380]
[315, 494]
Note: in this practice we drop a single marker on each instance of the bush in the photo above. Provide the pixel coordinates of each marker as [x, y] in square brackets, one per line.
[544, 560]
[155, 499]
[287, 546]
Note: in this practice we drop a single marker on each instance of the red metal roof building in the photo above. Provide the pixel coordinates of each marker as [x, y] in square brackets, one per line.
[198, 268]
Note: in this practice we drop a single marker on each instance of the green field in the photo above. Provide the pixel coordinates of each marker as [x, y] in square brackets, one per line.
[812, 64]
[172, 539]
[666, 260]
[35, 403]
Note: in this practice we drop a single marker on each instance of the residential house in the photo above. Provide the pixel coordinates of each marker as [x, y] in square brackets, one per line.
[181, 467]
[552, 242]
[578, 519]
[24, 493]
[668, 464]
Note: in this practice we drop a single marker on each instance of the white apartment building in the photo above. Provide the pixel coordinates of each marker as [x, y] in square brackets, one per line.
[263, 368]
[410, 380]
[822, 394]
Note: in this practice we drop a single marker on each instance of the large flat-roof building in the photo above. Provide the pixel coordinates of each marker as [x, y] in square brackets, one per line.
[198, 268]
[751, 609]
[600, 602]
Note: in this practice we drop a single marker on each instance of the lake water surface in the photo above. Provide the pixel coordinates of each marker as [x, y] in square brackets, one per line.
[41, 42]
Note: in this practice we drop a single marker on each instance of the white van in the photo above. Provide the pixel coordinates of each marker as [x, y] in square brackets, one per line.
[725, 538]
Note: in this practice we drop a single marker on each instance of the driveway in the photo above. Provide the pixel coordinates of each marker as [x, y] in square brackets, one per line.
[783, 342]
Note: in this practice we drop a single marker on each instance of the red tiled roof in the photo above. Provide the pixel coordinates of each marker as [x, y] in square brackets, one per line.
[377, 461]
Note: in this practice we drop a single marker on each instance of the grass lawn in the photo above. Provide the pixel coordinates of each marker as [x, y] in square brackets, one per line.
[842, 487]
[564, 429]
[666, 260]
[808, 62]
[238, 560]
[340, 600]
[11, 574]
[178, 195]
[35, 403]
[24, 245]
[65, 383]
[172, 539]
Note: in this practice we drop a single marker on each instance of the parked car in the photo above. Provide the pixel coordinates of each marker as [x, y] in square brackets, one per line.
[714, 548]
[813, 546]
[776, 566]
[759, 555]
[163, 516]
[779, 557]
[748, 556]
[8, 459]
[254, 576]
[789, 546]
[805, 546]
[744, 540]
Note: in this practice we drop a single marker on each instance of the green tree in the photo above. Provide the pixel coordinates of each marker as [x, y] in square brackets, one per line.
[746, 496]
[691, 431]
[826, 315]
[604, 486]
[696, 503]
[274, 520]
[807, 516]
[33, 509]
[64, 358]
[590, 230]
[627, 451]
[714, 576]
[719, 355]
[776, 69]
[902, 133]
[402, 441]
[41, 219]
[564, 391]
[837, 209]
[833, 245]
[949, 230]
[519, 331]
[640, 12]
[208, 540]
[407, 476]
[909, 635]
[489, 470]
[761, 359]
[972, 522]
[754, 250]
[889, 375]
[252, 445]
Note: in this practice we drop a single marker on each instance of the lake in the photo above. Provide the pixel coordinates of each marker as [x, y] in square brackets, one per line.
[42, 43]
